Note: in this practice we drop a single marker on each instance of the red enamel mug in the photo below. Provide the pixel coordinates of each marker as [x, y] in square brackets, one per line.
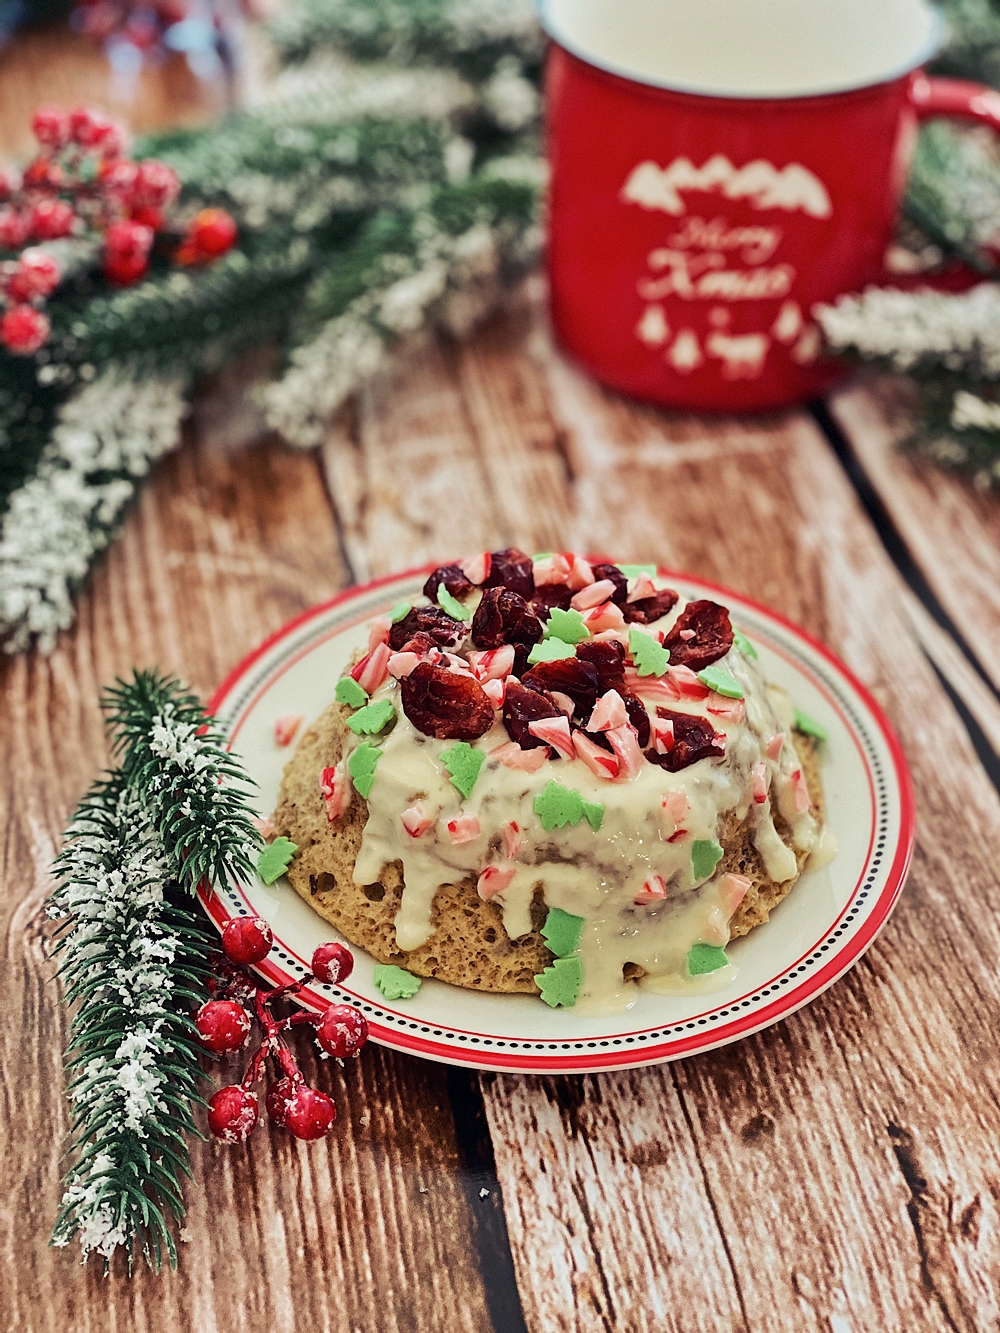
[719, 167]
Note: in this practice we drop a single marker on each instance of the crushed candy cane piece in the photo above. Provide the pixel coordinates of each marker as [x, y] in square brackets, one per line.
[732, 891]
[264, 826]
[625, 743]
[800, 791]
[563, 702]
[686, 634]
[580, 573]
[607, 616]
[379, 632]
[511, 839]
[553, 569]
[286, 727]
[554, 731]
[663, 735]
[494, 664]
[775, 744]
[601, 762]
[495, 691]
[654, 890]
[686, 683]
[758, 784]
[401, 664]
[511, 755]
[375, 668]
[416, 821]
[493, 880]
[477, 568]
[719, 706]
[675, 806]
[463, 828]
[656, 689]
[335, 791]
[640, 587]
[609, 712]
[592, 595]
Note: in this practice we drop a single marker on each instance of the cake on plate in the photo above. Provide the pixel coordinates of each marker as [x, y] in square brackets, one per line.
[557, 776]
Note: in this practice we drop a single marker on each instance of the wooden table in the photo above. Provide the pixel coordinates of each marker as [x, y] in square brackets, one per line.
[838, 1172]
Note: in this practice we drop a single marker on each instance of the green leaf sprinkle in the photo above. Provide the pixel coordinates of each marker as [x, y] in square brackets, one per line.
[542, 555]
[593, 813]
[400, 610]
[704, 958]
[396, 983]
[275, 859]
[705, 856]
[452, 605]
[463, 762]
[560, 984]
[809, 726]
[633, 571]
[743, 643]
[721, 681]
[350, 692]
[566, 625]
[650, 657]
[372, 719]
[362, 765]
[550, 650]
[556, 806]
[562, 931]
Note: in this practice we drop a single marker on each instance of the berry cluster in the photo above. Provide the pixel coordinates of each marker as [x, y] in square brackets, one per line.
[81, 181]
[226, 1022]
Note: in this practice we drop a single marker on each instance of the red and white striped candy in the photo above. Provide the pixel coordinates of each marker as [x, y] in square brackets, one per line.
[592, 595]
[800, 791]
[720, 706]
[663, 735]
[654, 890]
[601, 762]
[335, 790]
[372, 670]
[401, 664]
[477, 568]
[511, 755]
[495, 664]
[604, 617]
[657, 690]
[625, 743]
[758, 783]
[265, 826]
[553, 569]
[554, 731]
[640, 587]
[416, 821]
[609, 711]
[685, 634]
[732, 891]
[686, 683]
[563, 702]
[511, 839]
[580, 574]
[493, 880]
[463, 828]
[775, 744]
[676, 806]
[495, 691]
[379, 632]
[285, 728]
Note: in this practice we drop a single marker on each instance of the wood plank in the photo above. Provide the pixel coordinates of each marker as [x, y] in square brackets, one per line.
[813, 1177]
[950, 528]
[370, 1229]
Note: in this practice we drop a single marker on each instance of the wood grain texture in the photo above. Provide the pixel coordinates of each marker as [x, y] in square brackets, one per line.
[951, 529]
[840, 1171]
[371, 1229]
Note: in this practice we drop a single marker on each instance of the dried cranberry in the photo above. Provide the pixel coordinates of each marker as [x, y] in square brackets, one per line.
[694, 739]
[713, 635]
[421, 644]
[548, 596]
[648, 609]
[504, 617]
[512, 569]
[612, 572]
[608, 657]
[577, 680]
[638, 716]
[522, 707]
[445, 704]
[453, 579]
[431, 620]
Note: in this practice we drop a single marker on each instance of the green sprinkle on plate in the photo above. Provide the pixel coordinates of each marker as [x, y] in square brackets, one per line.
[560, 984]
[650, 657]
[743, 643]
[350, 692]
[542, 555]
[274, 860]
[809, 726]
[562, 931]
[704, 958]
[566, 625]
[362, 765]
[400, 610]
[373, 718]
[705, 856]
[463, 762]
[633, 571]
[452, 605]
[550, 650]
[721, 681]
[396, 983]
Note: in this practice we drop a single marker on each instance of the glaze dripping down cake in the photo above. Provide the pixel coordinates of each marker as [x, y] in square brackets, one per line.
[554, 776]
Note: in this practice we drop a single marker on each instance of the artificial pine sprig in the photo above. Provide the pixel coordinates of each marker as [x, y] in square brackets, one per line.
[136, 953]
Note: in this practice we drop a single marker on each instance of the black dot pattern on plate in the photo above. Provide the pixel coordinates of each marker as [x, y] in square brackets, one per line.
[844, 927]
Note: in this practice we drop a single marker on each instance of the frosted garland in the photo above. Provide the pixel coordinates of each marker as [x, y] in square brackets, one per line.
[58, 520]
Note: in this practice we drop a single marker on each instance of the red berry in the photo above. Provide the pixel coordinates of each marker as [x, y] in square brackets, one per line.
[8, 182]
[23, 329]
[37, 274]
[51, 127]
[124, 271]
[247, 939]
[157, 186]
[278, 1097]
[343, 1031]
[118, 177]
[128, 240]
[44, 174]
[211, 233]
[223, 1026]
[90, 128]
[14, 228]
[232, 1114]
[309, 1114]
[332, 962]
[50, 219]
[148, 215]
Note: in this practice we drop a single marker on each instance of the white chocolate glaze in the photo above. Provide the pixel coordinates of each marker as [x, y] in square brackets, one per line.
[591, 875]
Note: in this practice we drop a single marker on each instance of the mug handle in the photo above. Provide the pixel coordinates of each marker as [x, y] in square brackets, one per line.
[954, 97]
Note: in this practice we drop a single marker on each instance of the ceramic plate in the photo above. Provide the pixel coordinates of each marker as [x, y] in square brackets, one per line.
[821, 930]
